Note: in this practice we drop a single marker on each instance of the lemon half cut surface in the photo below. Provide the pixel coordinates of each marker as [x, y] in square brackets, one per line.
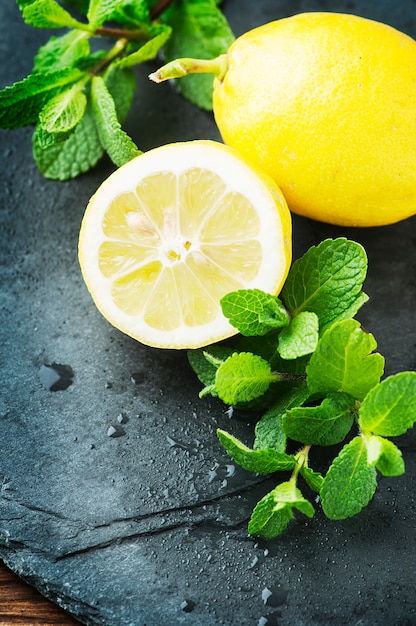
[167, 235]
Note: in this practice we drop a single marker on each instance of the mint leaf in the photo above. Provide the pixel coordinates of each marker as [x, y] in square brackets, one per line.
[327, 280]
[100, 11]
[62, 52]
[324, 425]
[131, 12]
[273, 513]
[254, 312]
[21, 103]
[119, 146]
[269, 431]
[199, 30]
[63, 156]
[259, 461]
[300, 337]
[66, 157]
[313, 479]
[242, 378]
[343, 361]
[389, 409]
[148, 50]
[63, 111]
[390, 461]
[204, 367]
[121, 83]
[350, 482]
[49, 14]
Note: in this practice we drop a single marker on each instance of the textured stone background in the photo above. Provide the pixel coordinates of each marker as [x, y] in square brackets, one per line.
[149, 527]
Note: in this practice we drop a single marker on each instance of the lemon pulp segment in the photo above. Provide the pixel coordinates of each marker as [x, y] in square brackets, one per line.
[172, 249]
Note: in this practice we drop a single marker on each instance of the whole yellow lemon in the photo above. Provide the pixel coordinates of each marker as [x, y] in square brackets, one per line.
[326, 104]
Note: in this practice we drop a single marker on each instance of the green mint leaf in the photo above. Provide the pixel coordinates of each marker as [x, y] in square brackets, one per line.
[254, 312]
[132, 12]
[327, 280]
[269, 431]
[23, 3]
[199, 30]
[300, 337]
[49, 14]
[350, 482]
[21, 103]
[64, 111]
[204, 367]
[119, 146]
[343, 361]
[148, 50]
[63, 157]
[323, 425]
[100, 11]
[62, 52]
[242, 378]
[390, 460]
[259, 461]
[80, 5]
[273, 513]
[121, 83]
[389, 409]
[313, 479]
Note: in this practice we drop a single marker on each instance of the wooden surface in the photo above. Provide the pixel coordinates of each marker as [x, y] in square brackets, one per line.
[21, 604]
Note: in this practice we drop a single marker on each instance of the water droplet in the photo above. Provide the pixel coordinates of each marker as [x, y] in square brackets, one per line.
[137, 378]
[122, 419]
[277, 596]
[187, 606]
[115, 431]
[265, 595]
[254, 562]
[56, 377]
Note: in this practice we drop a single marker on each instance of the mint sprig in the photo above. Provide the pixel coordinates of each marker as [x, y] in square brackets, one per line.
[314, 378]
[70, 94]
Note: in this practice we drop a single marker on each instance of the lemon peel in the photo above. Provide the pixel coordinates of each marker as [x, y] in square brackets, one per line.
[325, 103]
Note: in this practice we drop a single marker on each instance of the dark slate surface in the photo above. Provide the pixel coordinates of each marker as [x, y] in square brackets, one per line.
[116, 499]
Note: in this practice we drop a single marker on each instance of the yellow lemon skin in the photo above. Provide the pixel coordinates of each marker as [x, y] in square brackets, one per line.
[325, 103]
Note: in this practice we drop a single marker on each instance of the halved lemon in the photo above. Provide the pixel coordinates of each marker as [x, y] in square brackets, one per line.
[167, 235]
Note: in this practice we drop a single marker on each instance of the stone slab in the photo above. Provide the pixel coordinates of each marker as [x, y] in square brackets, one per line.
[116, 498]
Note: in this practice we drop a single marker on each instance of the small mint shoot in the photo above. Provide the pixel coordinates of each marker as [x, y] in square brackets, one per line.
[67, 96]
[274, 512]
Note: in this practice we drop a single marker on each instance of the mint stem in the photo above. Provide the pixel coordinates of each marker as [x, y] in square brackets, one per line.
[107, 31]
[301, 460]
[159, 8]
[289, 377]
[115, 51]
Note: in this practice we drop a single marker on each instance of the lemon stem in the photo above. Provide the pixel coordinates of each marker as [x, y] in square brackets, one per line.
[182, 67]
